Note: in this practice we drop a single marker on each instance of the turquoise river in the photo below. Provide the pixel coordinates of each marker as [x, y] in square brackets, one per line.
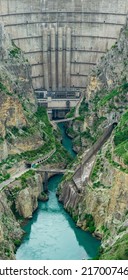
[52, 234]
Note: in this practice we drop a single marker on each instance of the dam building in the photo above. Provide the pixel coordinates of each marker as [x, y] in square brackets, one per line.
[58, 103]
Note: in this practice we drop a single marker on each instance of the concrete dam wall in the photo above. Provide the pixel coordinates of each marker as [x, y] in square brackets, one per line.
[63, 39]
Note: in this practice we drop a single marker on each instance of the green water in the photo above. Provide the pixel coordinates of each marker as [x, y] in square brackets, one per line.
[51, 234]
[66, 141]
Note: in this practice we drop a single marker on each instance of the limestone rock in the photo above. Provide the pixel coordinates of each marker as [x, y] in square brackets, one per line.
[27, 199]
[103, 195]
[10, 230]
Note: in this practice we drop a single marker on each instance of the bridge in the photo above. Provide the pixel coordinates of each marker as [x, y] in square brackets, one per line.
[78, 176]
[63, 120]
[46, 171]
[57, 171]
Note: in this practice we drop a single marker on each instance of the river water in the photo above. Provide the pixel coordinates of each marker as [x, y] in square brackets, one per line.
[52, 234]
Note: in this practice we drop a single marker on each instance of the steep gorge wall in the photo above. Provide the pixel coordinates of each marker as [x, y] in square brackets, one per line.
[18, 201]
[94, 25]
[98, 200]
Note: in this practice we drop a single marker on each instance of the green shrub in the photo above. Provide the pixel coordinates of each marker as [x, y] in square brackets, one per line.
[75, 218]
[121, 138]
[15, 130]
[4, 89]
[118, 251]
[17, 242]
[90, 222]
[83, 108]
[71, 113]
[15, 52]
[98, 167]
[87, 134]
[115, 92]
[1, 140]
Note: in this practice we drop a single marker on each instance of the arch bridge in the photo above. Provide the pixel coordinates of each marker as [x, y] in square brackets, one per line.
[46, 171]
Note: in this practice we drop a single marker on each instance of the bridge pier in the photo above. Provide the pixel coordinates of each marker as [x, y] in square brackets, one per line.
[45, 185]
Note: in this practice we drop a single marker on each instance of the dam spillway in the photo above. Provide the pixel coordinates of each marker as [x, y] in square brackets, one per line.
[63, 40]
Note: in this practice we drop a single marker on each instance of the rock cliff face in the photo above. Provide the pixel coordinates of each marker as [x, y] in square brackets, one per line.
[18, 104]
[98, 198]
[21, 198]
[25, 135]
[25, 131]
[10, 231]
[26, 199]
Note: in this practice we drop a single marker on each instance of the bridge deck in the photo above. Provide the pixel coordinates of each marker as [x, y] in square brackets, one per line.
[52, 170]
[63, 120]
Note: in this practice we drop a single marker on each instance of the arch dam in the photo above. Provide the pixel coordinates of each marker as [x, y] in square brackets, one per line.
[63, 39]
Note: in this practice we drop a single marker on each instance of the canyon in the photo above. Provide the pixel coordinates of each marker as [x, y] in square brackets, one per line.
[84, 50]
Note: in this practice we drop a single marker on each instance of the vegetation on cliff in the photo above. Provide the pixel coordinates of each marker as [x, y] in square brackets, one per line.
[98, 203]
[25, 130]
[26, 134]
[103, 195]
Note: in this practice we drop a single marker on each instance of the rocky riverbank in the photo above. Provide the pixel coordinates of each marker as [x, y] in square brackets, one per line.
[18, 201]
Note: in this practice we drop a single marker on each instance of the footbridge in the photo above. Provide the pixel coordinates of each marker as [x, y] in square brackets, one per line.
[78, 177]
[57, 171]
[64, 120]
[46, 171]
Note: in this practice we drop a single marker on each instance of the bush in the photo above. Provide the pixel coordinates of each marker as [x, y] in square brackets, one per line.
[4, 89]
[83, 108]
[15, 52]
[71, 113]
[90, 222]
[17, 242]
[115, 92]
